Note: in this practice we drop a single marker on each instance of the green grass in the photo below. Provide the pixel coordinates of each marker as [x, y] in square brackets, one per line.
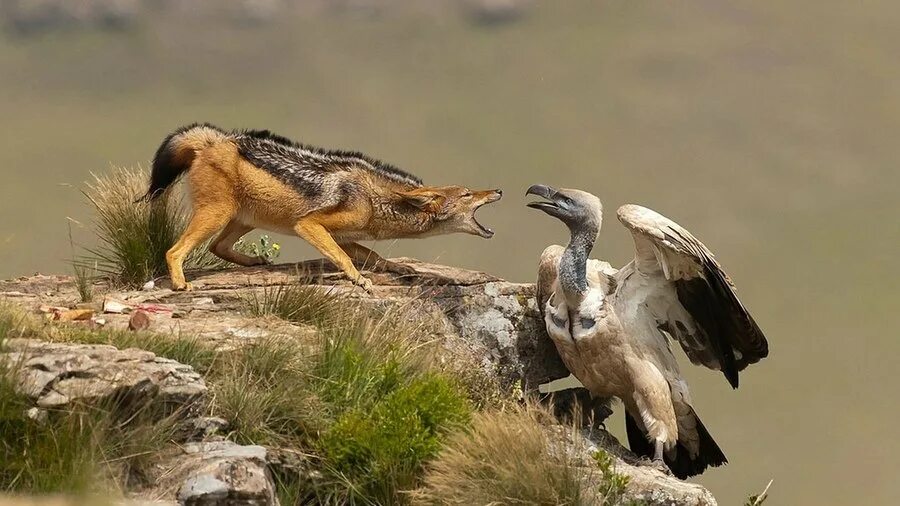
[363, 398]
[14, 322]
[133, 237]
[79, 450]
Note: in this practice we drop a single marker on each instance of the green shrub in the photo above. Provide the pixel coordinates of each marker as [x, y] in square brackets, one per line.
[263, 391]
[379, 452]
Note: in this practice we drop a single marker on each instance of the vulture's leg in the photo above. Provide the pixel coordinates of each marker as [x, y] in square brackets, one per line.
[658, 454]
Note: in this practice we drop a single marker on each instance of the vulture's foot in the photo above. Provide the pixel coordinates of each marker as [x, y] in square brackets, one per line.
[661, 466]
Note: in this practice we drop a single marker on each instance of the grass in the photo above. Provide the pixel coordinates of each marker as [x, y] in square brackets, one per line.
[133, 237]
[509, 457]
[363, 399]
[80, 450]
[298, 303]
[84, 280]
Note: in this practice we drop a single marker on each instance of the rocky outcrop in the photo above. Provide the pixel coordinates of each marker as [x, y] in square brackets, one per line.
[56, 375]
[495, 320]
[471, 313]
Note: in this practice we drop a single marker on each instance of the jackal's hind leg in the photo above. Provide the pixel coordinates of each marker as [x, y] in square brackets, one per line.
[205, 222]
[223, 246]
[316, 234]
[365, 258]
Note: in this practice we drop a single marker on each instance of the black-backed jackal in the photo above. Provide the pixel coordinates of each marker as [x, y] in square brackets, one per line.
[242, 180]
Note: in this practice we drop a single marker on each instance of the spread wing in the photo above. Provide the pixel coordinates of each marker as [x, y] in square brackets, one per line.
[702, 310]
[547, 274]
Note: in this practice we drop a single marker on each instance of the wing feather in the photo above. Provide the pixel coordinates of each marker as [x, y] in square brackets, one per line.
[721, 334]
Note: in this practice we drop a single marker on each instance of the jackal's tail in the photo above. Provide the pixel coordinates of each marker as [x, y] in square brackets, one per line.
[682, 464]
[176, 153]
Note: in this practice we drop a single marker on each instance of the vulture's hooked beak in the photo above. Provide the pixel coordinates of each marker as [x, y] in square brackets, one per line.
[553, 205]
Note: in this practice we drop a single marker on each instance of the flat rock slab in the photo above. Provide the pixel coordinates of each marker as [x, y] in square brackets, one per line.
[55, 375]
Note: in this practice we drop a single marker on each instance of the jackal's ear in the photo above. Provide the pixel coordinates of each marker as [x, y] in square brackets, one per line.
[420, 200]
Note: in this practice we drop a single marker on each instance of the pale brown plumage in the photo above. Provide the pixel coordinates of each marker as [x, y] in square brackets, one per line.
[611, 327]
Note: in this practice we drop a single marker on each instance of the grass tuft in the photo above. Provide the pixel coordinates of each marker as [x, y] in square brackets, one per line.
[509, 457]
[134, 236]
[297, 303]
[15, 322]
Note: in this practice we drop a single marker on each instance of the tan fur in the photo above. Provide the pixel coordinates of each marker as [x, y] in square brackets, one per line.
[231, 196]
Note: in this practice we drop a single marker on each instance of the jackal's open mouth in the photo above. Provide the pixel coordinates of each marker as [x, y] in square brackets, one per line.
[483, 231]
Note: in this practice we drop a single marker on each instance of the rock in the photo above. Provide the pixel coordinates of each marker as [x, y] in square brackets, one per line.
[646, 484]
[204, 427]
[36, 414]
[113, 305]
[55, 375]
[215, 473]
[139, 320]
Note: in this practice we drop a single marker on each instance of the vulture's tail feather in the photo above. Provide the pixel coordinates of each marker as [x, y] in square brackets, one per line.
[681, 463]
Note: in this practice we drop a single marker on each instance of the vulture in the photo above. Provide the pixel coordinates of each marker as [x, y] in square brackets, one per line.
[613, 327]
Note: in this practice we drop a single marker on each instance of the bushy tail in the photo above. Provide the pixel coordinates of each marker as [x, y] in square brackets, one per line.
[681, 463]
[176, 154]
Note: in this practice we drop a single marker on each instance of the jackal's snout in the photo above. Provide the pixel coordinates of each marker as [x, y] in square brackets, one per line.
[480, 199]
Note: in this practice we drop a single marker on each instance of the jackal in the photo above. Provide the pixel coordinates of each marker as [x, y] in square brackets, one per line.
[246, 179]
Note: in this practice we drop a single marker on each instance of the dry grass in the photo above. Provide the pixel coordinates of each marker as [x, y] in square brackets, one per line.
[298, 303]
[509, 457]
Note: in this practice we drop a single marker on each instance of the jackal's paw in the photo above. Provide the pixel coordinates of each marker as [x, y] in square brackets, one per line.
[182, 287]
[364, 283]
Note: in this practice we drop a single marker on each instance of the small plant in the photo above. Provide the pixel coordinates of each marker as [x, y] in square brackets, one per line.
[134, 236]
[14, 322]
[614, 484]
[263, 248]
[756, 500]
[84, 280]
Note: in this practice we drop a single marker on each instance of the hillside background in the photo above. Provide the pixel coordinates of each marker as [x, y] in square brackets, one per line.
[768, 129]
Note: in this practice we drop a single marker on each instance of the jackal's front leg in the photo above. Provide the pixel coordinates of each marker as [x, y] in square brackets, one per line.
[318, 236]
[368, 259]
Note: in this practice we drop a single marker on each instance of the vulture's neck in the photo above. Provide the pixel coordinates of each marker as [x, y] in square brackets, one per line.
[573, 266]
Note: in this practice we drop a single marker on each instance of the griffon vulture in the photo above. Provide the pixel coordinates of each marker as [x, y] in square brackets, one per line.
[612, 327]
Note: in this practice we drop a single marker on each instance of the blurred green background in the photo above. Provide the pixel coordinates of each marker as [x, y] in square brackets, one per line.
[769, 129]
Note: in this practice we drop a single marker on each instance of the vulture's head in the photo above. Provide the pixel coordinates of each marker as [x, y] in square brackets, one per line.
[579, 210]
